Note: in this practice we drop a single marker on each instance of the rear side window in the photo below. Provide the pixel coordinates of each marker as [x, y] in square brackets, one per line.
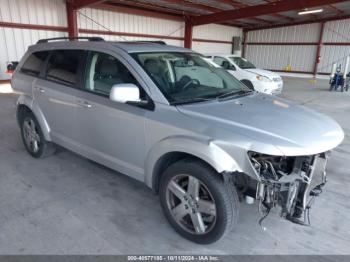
[34, 63]
[63, 66]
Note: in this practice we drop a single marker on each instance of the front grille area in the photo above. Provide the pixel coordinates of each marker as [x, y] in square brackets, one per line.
[277, 79]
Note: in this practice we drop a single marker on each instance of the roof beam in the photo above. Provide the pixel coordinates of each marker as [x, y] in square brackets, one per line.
[206, 8]
[339, 12]
[139, 11]
[237, 4]
[84, 3]
[258, 10]
[147, 7]
[191, 5]
[279, 15]
[333, 18]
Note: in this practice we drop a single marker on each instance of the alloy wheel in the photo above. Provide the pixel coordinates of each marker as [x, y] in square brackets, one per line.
[31, 135]
[191, 204]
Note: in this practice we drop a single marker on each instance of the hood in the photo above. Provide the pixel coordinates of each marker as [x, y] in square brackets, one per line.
[267, 122]
[263, 72]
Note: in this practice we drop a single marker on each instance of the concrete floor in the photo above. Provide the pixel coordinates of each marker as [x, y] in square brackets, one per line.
[66, 204]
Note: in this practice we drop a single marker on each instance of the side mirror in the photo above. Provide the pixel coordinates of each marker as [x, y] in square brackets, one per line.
[124, 93]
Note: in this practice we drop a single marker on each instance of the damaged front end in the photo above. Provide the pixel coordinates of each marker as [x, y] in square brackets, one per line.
[289, 182]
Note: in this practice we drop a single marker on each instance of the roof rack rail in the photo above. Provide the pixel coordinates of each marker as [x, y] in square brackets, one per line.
[154, 42]
[93, 39]
[145, 42]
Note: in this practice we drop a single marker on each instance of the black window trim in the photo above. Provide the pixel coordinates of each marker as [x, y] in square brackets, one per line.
[149, 105]
[32, 72]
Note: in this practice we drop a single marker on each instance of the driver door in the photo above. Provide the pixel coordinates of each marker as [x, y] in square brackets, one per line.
[111, 133]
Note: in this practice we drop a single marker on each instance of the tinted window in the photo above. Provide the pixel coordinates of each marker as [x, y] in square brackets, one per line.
[104, 71]
[242, 63]
[219, 60]
[63, 66]
[224, 63]
[34, 63]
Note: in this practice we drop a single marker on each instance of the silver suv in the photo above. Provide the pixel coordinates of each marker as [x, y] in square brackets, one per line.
[190, 131]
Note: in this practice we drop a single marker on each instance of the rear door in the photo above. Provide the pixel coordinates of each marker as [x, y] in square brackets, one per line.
[55, 93]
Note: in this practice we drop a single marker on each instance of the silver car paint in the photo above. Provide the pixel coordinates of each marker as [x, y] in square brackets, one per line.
[131, 140]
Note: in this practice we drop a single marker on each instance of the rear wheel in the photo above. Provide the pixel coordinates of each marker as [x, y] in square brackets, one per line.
[33, 138]
[197, 202]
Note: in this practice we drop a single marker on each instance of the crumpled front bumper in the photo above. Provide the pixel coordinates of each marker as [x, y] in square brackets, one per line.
[295, 192]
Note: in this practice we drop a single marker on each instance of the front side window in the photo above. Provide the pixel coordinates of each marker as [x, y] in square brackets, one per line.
[63, 66]
[34, 63]
[242, 63]
[187, 77]
[104, 71]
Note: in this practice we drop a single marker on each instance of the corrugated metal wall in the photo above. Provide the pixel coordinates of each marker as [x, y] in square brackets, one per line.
[14, 41]
[300, 57]
[298, 33]
[336, 32]
[95, 19]
[278, 57]
[38, 12]
[214, 32]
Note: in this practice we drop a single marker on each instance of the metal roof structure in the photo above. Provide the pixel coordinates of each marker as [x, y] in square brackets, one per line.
[246, 14]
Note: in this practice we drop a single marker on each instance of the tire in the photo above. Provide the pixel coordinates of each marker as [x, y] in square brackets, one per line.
[248, 84]
[216, 205]
[33, 138]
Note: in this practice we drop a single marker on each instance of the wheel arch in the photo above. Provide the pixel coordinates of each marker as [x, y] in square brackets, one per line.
[25, 104]
[170, 150]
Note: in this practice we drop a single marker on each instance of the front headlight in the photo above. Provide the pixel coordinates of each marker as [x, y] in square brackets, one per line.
[263, 78]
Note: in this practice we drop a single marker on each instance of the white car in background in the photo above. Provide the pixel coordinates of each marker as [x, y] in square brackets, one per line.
[255, 78]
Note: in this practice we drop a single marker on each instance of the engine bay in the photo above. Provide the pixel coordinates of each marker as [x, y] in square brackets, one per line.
[291, 183]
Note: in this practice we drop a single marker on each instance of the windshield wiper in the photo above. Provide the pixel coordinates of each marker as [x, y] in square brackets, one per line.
[193, 100]
[234, 93]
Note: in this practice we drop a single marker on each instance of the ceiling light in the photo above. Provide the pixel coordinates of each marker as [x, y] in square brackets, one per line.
[306, 11]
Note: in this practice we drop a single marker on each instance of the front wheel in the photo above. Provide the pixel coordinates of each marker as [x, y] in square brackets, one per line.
[197, 202]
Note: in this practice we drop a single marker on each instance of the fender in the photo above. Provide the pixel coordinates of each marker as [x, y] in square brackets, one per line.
[29, 102]
[206, 150]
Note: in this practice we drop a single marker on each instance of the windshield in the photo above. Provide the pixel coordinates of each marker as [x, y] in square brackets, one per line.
[187, 77]
[242, 63]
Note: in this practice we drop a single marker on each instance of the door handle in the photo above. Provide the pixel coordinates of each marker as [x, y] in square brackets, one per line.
[84, 104]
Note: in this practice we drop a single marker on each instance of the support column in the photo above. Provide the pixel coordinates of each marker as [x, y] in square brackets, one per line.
[188, 35]
[72, 20]
[319, 47]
